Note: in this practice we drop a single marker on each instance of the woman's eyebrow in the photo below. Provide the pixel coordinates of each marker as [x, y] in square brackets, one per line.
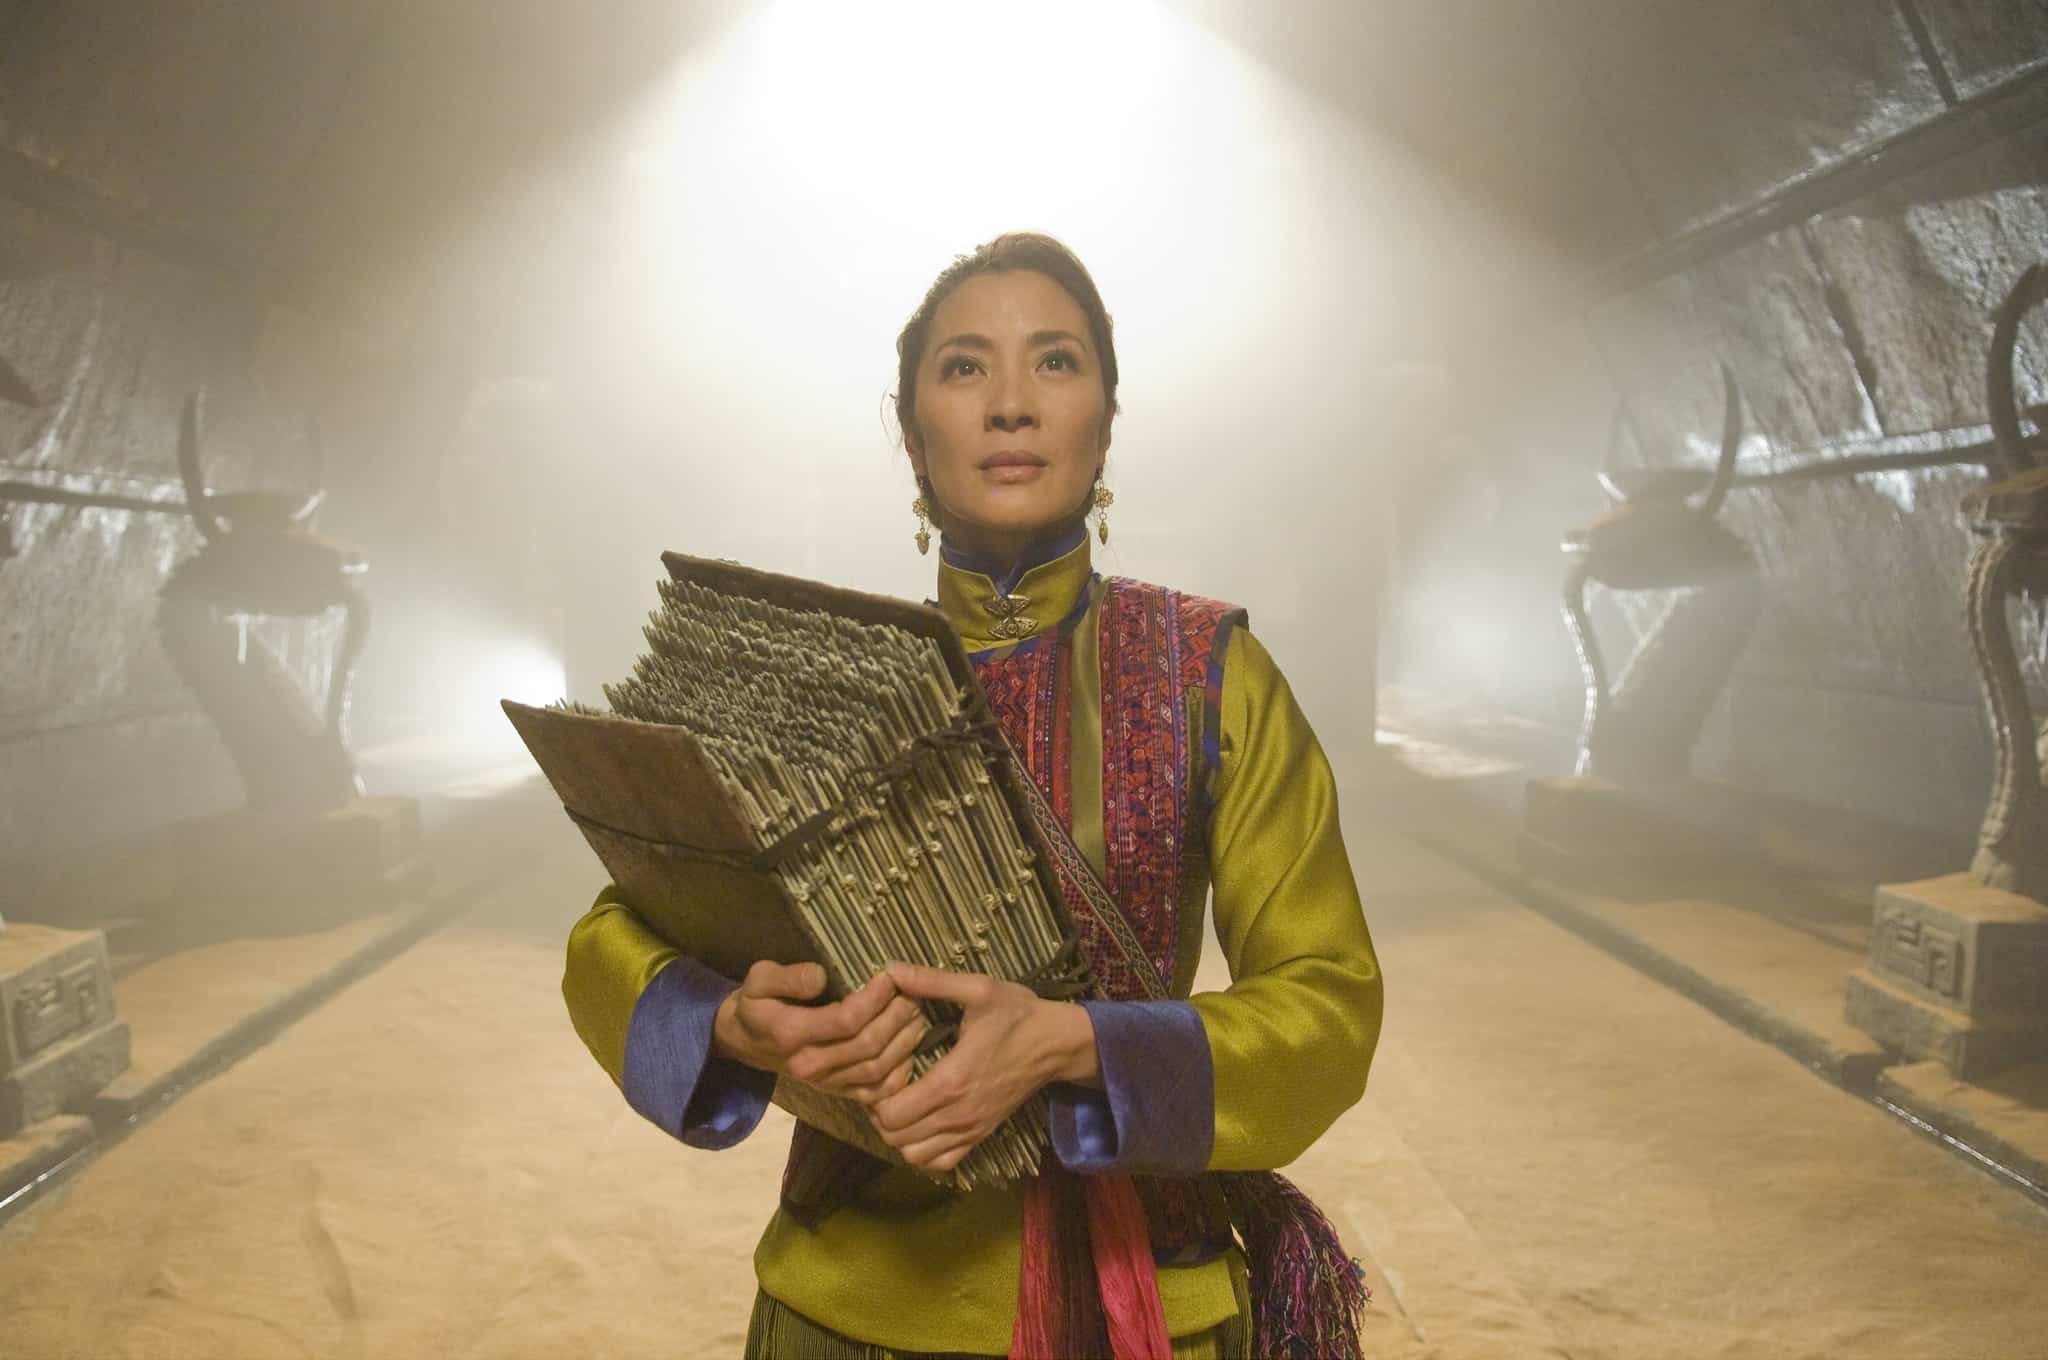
[970, 340]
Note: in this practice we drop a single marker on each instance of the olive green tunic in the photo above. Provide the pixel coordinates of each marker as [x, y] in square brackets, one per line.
[913, 1267]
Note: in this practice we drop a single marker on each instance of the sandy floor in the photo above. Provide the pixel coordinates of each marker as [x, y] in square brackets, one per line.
[1557, 1157]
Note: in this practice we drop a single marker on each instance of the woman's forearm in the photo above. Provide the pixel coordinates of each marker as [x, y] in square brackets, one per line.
[1069, 1037]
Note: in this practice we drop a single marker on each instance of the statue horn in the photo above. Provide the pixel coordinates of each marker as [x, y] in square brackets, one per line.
[2011, 457]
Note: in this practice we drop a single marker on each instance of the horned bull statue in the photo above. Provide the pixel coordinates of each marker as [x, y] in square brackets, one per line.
[1660, 533]
[261, 559]
[2010, 518]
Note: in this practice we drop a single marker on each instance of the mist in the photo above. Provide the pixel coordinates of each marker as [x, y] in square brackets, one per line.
[1618, 423]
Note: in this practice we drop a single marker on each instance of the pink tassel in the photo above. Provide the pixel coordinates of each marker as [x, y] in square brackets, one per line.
[1038, 1293]
[1129, 1282]
[1059, 1315]
[1307, 1292]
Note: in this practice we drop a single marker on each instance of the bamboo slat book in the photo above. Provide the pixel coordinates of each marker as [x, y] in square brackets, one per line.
[802, 773]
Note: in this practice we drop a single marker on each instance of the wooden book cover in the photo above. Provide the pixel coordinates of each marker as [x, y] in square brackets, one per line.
[646, 799]
[638, 791]
[642, 793]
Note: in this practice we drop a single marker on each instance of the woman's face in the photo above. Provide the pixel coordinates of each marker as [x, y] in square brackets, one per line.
[1011, 419]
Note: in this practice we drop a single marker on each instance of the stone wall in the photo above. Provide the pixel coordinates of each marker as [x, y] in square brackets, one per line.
[1839, 195]
[349, 223]
[1829, 196]
[145, 158]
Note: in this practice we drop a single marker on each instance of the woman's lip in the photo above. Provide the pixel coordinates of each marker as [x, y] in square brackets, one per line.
[1012, 472]
[1011, 458]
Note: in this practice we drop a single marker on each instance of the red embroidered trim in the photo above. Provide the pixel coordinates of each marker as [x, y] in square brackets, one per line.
[1144, 762]
[1061, 753]
[1022, 687]
[1154, 644]
[1205, 638]
[1199, 621]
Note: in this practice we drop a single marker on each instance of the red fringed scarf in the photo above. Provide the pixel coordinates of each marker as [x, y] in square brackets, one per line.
[1088, 1288]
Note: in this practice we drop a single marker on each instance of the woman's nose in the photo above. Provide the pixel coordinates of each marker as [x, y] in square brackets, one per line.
[1009, 406]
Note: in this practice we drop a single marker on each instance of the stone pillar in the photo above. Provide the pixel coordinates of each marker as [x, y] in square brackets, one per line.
[60, 1040]
[1959, 965]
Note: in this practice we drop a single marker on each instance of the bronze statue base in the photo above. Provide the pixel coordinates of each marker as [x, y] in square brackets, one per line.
[295, 870]
[1585, 832]
[1958, 973]
[60, 1041]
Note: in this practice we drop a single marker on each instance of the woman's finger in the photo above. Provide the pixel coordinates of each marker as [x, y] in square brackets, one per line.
[874, 1095]
[940, 1153]
[770, 980]
[895, 1055]
[858, 1061]
[948, 1121]
[943, 1086]
[799, 1027]
[936, 984]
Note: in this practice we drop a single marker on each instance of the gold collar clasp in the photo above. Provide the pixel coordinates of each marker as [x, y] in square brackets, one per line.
[1012, 620]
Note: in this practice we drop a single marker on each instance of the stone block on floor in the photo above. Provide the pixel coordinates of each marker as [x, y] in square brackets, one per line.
[60, 1040]
[1958, 973]
[1957, 942]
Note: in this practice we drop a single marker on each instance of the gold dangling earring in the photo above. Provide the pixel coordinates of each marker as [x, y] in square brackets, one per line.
[1104, 498]
[922, 508]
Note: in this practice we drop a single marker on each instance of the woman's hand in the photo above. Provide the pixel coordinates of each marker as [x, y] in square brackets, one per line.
[859, 1046]
[1011, 1042]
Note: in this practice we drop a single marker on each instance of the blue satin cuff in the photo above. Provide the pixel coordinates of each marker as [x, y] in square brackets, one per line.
[1156, 1113]
[671, 1075]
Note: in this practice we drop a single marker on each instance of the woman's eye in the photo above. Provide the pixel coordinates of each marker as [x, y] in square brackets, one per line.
[1061, 358]
[955, 366]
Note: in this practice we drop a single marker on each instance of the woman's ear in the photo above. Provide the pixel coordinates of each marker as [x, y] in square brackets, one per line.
[915, 449]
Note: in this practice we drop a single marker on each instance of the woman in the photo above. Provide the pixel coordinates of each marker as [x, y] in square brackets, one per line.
[1172, 752]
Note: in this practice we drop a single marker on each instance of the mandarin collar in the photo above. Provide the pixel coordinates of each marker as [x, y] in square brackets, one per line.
[1040, 591]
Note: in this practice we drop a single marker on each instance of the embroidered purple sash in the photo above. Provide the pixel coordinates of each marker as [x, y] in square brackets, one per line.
[1154, 645]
